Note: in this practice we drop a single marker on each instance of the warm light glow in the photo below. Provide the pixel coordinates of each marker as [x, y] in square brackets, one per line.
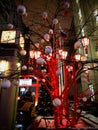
[4, 65]
[21, 42]
[85, 41]
[77, 57]
[35, 54]
[8, 36]
[63, 54]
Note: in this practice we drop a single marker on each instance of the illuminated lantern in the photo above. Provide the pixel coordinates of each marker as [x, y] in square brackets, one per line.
[78, 44]
[23, 52]
[48, 49]
[56, 102]
[5, 83]
[24, 67]
[64, 122]
[42, 41]
[85, 42]
[63, 54]
[47, 37]
[77, 57]
[67, 4]
[50, 31]
[40, 60]
[45, 15]
[55, 21]
[21, 9]
[10, 26]
[84, 99]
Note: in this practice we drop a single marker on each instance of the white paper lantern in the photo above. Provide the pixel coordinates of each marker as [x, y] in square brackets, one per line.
[23, 52]
[50, 31]
[45, 15]
[5, 83]
[24, 67]
[40, 60]
[56, 102]
[78, 44]
[10, 26]
[48, 49]
[21, 9]
[47, 37]
[55, 21]
[84, 99]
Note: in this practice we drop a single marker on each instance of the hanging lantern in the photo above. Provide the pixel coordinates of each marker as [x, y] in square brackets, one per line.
[48, 49]
[55, 21]
[23, 52]
[21, 9]
[67, 4]
[40, 60]
[78, 44]
[50, 31]
[24, 67]
[47, 37]
[45, 15]
[5, 83]
[10, 26]
[56, 102]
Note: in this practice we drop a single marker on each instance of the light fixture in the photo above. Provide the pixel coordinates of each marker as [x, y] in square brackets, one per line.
[12, 37]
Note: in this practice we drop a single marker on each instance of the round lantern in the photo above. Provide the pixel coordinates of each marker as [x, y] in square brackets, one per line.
[10, 26]
[5, 83]
[56, 102]
[67, 4]
[24, 67]
[48, 49]
[42, 41]
[45, 15]
[55, 21]
[77, 44]
[23, 52]
[21, 9]
[40, 60]
[50, 31]
[47, 37]
[84, 99]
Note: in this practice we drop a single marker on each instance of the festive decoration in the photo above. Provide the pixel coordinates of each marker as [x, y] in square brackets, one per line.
[5, 83]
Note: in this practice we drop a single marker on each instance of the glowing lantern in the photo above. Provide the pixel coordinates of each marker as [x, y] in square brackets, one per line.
[48, 49]
[23, 52]
[45, 15]
[56, 102]
[77, 44]
[24, 67]
[5, 83]
[77, 57]
[55, 21]
[21, 9]
[10, 26]
[58, 72]
[63, 54]
[50, 31]
[47, 37]
[40, 60]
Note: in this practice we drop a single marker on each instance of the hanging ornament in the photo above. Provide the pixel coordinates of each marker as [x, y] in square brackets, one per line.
[55, 21]
[45, 15]
[67, 4]
[5, 83]
[23, 52]
[48, 49]
[10, 26]
[40, 60]
[24, 67]
[47, 37]
[56, 102]
[21, 9]
[78, 44]
[50, 31]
